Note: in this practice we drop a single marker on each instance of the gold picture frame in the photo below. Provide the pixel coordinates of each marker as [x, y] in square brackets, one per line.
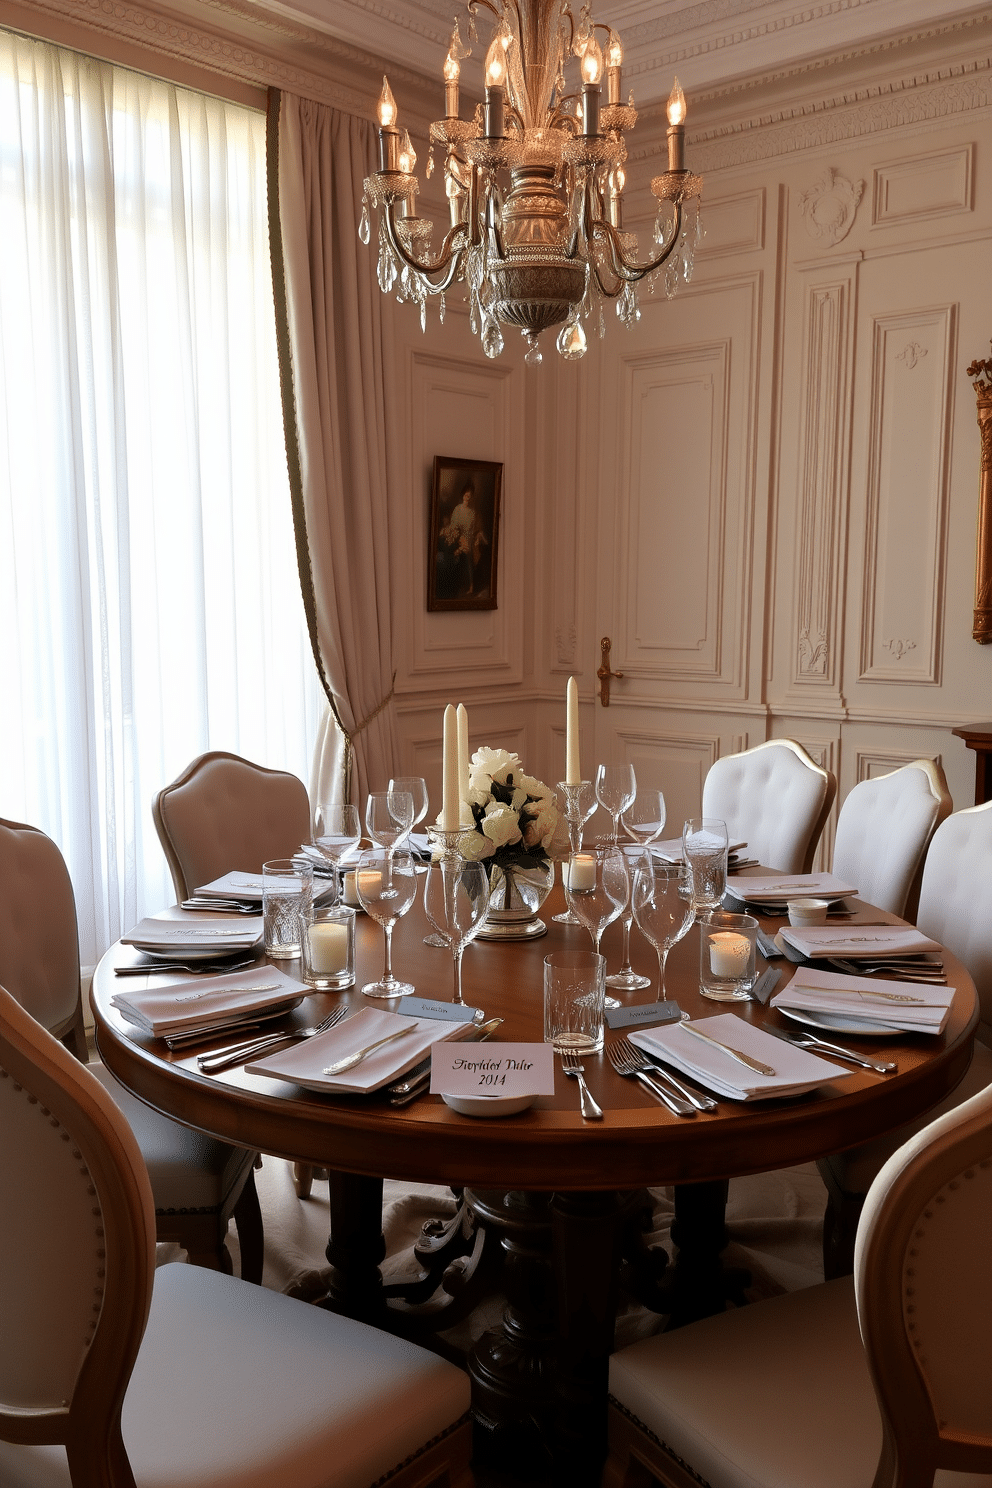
[463, 534]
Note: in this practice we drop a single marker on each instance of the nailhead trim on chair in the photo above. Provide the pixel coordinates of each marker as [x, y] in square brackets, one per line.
[646, 1430]
[96, 1211]
[427, 1447]
[210, 1209]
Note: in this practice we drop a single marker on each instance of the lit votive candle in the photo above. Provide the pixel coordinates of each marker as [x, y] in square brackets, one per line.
[349, 891]
[368, 882]
[581, 872]
[328, 948]
[729, 954]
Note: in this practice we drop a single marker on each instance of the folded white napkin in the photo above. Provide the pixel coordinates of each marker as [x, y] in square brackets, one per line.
[790, 886]
[200, 933]
[671, 850]
[232, 886]
[796, 1071]
[304, 1063]
[916, 1007]
[205, 1002]
[868, 942]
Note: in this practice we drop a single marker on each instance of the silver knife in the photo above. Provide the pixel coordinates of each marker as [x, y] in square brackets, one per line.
[415, 1081]
[807, 1041]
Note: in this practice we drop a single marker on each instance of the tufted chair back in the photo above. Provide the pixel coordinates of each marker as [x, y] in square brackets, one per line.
[956, 898]
[883, 831]
[924, 1292]
[39, 949]
[225, 814]
[77, 1251]
[775, 798]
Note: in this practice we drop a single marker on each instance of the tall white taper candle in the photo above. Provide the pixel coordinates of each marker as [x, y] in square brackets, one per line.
[462, 713]
[573, 775]
[450, 812]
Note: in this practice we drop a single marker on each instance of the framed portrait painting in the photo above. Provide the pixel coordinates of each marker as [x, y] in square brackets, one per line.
[463, 538]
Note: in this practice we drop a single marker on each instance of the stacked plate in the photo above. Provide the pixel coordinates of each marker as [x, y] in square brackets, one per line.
[185, 1008]
[791, 1071]
[194, 938]
[864, 1005]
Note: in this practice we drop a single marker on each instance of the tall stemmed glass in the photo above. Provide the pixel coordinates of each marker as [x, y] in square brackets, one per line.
[615, 791]
[580, 803]
[597, 888]
[663, 916]
[389, 819]
[416, 788]
[387, 885]
[337, 831]
[704, 848]
[456, 897]
[644, 821]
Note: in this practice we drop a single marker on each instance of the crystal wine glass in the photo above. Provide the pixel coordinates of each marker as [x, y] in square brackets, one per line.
[644, 820]
[597, 887]
[704, 848]
[663, 916]
[456, 897]
[389, 818]
[580, 803]
[615, 791]
[416, 788]
[337, 831]
[387, 886]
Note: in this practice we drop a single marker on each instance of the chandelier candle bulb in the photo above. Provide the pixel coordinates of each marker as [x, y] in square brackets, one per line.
[729, 954]
[452, 70]
[614, 61]
[581, 872]
[495, 78]
[676, 128]
[573, 774]
[389, 135]
[450, 800]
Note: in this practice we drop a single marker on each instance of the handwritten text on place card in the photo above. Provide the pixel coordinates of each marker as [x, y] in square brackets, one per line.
[492, 1069]
[448, 1012]
[649, 1012]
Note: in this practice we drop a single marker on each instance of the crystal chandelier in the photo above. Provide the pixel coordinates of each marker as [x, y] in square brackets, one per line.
[550, 249]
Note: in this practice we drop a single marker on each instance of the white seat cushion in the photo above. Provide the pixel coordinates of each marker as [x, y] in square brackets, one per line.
[239, 1387]
[189, 1171]
[725, 1395]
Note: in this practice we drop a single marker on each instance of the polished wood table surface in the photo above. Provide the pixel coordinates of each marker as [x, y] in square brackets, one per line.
[558, 1188]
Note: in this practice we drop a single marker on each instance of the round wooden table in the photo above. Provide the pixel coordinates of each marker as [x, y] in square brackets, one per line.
[561, 1191]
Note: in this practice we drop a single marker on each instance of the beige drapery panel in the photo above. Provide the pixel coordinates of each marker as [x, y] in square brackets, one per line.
[333, 369]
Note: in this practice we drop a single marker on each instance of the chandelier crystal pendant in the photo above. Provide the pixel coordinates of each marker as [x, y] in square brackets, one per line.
[549, 249]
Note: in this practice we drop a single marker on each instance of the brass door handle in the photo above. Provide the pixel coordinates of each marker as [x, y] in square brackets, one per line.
[604, 674]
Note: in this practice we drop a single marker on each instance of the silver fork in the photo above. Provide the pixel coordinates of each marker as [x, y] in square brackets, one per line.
[617, 1054]
[638, 1060]
[211, 1064]
[572, 1065]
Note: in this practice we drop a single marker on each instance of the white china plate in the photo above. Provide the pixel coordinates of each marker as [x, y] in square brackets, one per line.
[198, 953]
[488, 1105]
[837, 1023]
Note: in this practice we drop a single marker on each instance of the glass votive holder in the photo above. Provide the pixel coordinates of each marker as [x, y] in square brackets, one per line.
[349, 890]
[726, 956]
[327, 940]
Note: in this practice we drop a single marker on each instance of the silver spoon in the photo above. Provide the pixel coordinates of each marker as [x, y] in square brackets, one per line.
[350, 1060]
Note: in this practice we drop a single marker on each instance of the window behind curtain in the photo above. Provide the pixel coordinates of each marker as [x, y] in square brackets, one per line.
[149, 598]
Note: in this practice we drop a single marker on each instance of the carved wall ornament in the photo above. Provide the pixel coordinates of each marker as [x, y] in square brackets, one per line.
[829, 206]
[982, 629]
[899, 649]
[812, 655]
[912, 353]
[565, 642]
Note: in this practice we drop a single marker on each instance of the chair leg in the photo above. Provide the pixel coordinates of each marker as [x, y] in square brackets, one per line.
[303, 1175]
[251, 1236]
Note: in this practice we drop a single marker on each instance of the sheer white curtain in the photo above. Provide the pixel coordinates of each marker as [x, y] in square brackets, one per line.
[149, 599]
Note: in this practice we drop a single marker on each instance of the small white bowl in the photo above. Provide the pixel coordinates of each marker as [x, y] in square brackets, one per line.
[488, 1105]
[808, 911]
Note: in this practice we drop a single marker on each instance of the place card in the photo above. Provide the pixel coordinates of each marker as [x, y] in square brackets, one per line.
[766, 984]
[449, 1012]
[496, 1069]
[648, 1012]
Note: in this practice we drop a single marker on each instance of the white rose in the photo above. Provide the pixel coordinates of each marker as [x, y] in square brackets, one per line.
[496, 763]
[500, 825]
[518, 799]
[473, 847]
[534, 788]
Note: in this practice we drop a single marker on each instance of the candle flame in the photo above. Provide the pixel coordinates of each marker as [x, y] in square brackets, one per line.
[592, 62]
[387, 105]
[614, 52]
[676, 104]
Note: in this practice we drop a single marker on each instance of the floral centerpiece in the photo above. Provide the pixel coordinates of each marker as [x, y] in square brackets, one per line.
[516, 830]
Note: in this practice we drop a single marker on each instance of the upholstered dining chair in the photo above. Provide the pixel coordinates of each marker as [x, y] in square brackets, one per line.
[775, 798]
[789, 1392]
[883, 831]
[199, 1184]
[178, 1376]
[224, 813]
[956, 909]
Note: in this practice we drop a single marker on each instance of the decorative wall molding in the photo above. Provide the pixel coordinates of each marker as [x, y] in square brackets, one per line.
[917, 188]
[829, 206]
[871, 763]
[908, 471]
[823, 480]
[733, 224]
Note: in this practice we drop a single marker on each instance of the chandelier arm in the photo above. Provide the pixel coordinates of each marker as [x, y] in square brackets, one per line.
[448, 260]
[585, 233]
[631, 273]
[473, 5]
